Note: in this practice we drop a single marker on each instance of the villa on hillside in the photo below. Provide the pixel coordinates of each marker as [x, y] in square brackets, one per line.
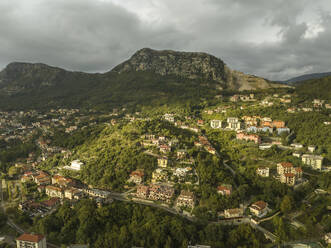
[259, 208]
[224, 189]
[136, 176]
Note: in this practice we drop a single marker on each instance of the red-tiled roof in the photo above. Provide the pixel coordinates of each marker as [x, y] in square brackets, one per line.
[223, 187]
[284, 164]
[30, 237]
[51, 202]
[138, 173]
[53, 188]
[260, 205]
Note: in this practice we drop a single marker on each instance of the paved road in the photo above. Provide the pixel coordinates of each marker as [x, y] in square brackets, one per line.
[122, 197]
[271, 236]
[14, 226]
[268, 234]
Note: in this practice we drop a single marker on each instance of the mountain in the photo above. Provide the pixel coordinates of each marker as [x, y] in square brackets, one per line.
[192, 65]
[148, 78]
[319, 88]
[299, 79]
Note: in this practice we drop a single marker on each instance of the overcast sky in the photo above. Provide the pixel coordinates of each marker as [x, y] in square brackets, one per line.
[276, 39]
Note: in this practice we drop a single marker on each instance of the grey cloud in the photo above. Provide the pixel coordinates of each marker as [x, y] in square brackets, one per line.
[265, 38]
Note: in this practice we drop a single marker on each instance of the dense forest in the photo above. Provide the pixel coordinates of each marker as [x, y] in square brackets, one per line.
[128, 225]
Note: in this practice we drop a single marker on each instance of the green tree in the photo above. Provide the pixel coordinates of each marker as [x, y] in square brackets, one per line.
[286, 205]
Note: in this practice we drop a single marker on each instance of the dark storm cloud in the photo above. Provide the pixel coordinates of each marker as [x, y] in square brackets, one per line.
[275, 39]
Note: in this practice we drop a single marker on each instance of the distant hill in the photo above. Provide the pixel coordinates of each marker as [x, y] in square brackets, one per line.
[297, 80]
[319, 88]
[148, 78]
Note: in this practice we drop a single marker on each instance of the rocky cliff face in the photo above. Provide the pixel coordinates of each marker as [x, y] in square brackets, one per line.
[183, 64]
[191, 65]
[17, 77]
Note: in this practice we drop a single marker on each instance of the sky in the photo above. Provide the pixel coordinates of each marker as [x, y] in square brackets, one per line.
[275, 39]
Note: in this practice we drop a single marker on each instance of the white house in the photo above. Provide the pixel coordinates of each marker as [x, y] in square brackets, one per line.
[216, 124]
[263, 171]
[311, 148]
[76, 165]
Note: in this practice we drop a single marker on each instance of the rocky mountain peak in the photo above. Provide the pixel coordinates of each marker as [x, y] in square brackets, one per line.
[192, 65]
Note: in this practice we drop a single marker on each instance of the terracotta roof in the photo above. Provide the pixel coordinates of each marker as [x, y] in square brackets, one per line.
[30, 237]
[51, 202]
[259, 205]
[53, 188]
[298, 169]
[284, 164]
[138, 173]
[41, 176]
[57, 177]
[224, 187]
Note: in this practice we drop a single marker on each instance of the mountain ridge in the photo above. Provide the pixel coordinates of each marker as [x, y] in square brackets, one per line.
[305, 77]
[192, 65]
[149, 76]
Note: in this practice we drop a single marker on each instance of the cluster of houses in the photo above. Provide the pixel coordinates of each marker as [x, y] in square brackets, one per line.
[164, 193]
[203, 142]
[162, 143]
[276, 98]
[162, 175]
[264, 124]
[11, 121]
[14, 126]
[253, 124]
[34, 208]
[232, 123]
[156, 192]
[58, 188]
[243, 98]
[316, 105]
[286, 173]
[258, 209]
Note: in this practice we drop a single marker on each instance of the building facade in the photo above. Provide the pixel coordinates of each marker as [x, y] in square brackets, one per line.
[27, 240]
